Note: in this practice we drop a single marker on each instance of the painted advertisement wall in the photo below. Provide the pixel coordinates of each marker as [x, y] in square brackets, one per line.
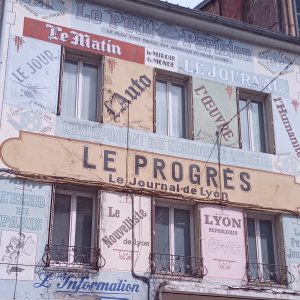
[170, 167]
[125, 231]
[223, 242]
[213, 105]
[291, 230]
[128, 94]
[147, 171]
[31, 87]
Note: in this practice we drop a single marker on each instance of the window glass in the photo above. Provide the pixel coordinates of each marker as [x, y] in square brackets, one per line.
[244, 125]
[252, 247]
[162, 230]
[178, 111]
[267, 246]
[61, 225]
[69, 91]
[258, 126]
[162, 247]
[298, 6]
[161, 108]
[267, 249]
[89, 92]
[182, 240]
[83, 233]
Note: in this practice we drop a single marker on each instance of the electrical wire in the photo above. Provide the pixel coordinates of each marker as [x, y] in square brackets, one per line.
[19, 244]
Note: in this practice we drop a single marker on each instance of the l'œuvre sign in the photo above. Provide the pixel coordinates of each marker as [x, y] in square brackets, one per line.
[55, 156]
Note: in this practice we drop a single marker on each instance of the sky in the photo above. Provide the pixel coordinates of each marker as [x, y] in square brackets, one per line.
[186, 3]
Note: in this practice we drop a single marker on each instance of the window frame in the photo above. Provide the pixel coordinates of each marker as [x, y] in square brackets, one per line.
[267, 119]
[296, 14]
[81, 58]
[72, 226]
[171, 207]
[260, 216]
[175, 78]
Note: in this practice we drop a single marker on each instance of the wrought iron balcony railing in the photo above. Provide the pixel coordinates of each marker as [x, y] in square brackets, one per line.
[168, 264]
[264, 273]
[72, 256]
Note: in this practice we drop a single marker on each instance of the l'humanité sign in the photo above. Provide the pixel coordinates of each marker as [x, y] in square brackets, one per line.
[55, 156]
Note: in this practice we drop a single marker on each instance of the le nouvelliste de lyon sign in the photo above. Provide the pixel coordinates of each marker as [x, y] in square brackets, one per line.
[55, 156]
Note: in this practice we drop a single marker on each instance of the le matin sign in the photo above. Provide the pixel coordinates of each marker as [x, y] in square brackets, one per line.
[121, 167]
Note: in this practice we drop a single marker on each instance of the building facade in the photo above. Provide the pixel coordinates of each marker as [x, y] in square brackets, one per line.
[278, 15]
[148, 151]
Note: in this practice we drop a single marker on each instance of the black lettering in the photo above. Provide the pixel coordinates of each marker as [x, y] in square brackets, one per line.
[211, 174]
[139, 164]
[180, 171]
[246, 187]
[227, 178]
[85, 159]
[108, 159]
[159, 165]
[194, 178]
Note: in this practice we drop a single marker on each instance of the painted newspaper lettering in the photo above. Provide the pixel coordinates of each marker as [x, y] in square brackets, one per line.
[286, 126]
[82, 40]
[23, 227]
[223, 242]
[291, 229]
[125, 234]
[214, 105]
[31, 86]
[128, 94]
[121, 167]
[161, 36]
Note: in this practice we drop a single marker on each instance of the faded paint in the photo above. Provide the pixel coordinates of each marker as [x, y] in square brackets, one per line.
[139, 170]
[128, 94]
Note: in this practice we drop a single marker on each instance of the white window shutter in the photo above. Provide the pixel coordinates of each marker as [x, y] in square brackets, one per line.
[62, 63]
[197, 232]
[280, 245]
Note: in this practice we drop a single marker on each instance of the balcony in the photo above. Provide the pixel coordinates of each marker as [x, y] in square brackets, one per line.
[271, 274]
[176, 265]
[72, 256]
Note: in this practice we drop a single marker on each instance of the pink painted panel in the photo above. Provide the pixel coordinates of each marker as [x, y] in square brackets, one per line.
[223, 242]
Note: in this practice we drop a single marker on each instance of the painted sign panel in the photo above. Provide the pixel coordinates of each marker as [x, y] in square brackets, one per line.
[24, 221]
[94, 132]
[232, 76]
[161, 60]
[102, 285]
[125, 234]
[143, 171]
[128, 94]
[287, 126]
[32, 77]
[223, 242]
[161, 36]
[83, 41]
[291, 230]
[214, 104]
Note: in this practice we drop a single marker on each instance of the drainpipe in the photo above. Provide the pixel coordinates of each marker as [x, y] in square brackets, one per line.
[285, 18]
[291, 17]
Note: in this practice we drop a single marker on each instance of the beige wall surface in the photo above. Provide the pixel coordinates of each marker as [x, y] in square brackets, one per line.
[128, 93]
[53, 156]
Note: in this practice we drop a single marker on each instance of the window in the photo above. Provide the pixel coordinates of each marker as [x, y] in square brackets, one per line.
[262, 250]
[73, 228]
[297, 14]
[173, 242]
[171, 107]
[79, 97]
[252, 126]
